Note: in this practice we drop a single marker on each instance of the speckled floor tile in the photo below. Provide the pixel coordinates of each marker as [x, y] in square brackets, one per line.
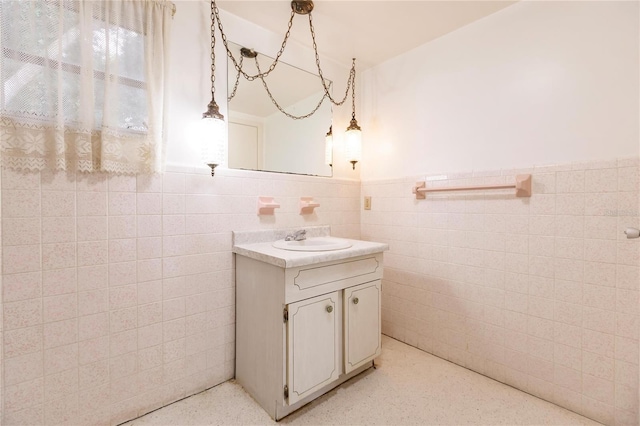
[409, 387]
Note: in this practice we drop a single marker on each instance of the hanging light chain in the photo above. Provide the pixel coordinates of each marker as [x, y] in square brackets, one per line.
[273, 100]
[237, 83]
[327, 93]
[352, 72]
[237, 66]
[213, 51]
[353, 90]
[213, 111]
[215, 15]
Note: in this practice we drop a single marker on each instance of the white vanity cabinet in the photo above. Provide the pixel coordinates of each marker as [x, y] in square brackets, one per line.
[302, 330]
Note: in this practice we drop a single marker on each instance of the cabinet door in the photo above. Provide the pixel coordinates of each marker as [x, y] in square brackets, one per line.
[362, 338]
[313, 345]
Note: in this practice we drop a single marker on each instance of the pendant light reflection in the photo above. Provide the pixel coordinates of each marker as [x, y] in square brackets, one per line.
[328, 148]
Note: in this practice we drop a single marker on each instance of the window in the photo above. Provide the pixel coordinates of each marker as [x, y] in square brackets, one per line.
[82, 84]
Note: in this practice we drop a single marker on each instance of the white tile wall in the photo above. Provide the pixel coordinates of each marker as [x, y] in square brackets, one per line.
[22, 291]
[118, 291]
[540, 293]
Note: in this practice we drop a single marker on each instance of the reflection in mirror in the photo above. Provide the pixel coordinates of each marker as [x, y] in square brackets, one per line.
[263, 138]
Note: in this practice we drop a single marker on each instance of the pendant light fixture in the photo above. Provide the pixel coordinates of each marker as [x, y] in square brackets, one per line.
[213, 125]
[353, 136]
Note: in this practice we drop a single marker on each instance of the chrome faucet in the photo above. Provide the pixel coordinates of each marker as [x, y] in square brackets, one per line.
[297, 236]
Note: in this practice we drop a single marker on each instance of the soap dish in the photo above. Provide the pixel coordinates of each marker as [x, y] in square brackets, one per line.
[307, 205]
[266, 205]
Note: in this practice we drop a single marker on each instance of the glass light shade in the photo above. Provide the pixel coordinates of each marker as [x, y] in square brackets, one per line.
[353, 143]
[328, 149]
[213, 140]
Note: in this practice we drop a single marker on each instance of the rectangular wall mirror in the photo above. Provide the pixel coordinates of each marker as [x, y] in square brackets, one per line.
[263, 138]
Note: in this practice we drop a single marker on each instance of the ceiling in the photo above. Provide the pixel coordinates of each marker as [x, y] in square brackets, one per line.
[373, 31]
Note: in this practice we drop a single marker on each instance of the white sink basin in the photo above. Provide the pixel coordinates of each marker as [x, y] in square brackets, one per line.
[313, 244]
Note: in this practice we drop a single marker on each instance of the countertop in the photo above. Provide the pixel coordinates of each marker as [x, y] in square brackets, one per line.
[265, 252]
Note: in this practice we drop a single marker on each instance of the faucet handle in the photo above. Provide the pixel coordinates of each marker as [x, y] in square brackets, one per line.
[298, 235]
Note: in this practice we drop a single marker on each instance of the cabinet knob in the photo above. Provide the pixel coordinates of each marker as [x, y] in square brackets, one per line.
[355, 300]
[329, 308]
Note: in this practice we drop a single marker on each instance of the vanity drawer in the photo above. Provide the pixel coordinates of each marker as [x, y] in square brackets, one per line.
[313, 280]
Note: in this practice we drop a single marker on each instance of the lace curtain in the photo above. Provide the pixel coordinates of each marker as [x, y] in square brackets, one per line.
[83, 83]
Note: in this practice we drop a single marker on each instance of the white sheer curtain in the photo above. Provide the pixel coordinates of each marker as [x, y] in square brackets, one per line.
[82, 84]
